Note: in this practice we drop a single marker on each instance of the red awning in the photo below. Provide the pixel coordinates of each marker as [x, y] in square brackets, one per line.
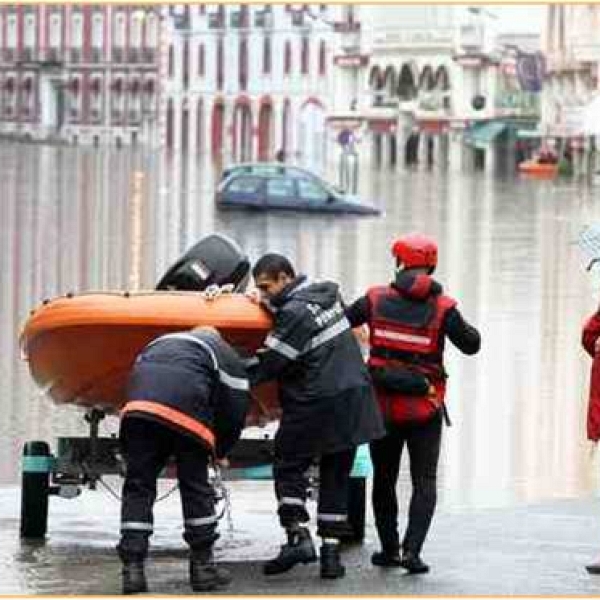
[383, 125]
[433, 126]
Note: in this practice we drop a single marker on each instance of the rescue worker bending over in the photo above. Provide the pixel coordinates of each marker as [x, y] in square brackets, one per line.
[327, 403]
[408, 322]
[187, 397]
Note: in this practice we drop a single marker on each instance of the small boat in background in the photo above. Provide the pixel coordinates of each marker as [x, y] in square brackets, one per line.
[536, 169]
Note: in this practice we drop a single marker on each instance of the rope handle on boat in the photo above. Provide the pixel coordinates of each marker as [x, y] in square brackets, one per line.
[212, 292]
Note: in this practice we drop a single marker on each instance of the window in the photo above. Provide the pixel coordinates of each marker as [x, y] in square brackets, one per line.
[245, 185]
[201, 58]
[322, 58]
[267, 55]
[311, 190]
[220, 64]
[280, 188]
[171, 60]
[304, 56]
[243, 63]
[186, 63]
[287, 58]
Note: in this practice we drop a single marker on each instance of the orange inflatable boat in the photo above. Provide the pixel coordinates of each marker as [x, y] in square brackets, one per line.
[531, 167]
[80, 348]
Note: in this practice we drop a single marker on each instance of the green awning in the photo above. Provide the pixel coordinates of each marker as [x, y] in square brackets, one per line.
[529, 134]
[482, 135]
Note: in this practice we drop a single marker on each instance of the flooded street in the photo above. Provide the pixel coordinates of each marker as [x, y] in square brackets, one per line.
[77, 219]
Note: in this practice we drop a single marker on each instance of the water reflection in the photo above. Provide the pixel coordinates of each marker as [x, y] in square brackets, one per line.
[78, 219]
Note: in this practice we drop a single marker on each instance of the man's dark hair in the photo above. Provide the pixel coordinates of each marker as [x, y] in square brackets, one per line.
[272, 265]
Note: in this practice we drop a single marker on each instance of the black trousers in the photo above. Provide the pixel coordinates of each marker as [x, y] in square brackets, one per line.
[147, 447]
[423, 443]
[291, 490]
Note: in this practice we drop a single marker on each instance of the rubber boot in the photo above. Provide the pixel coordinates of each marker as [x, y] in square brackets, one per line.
[134, 578]
[412, 563]
[331, 566]
[299, 549]
[204, 574]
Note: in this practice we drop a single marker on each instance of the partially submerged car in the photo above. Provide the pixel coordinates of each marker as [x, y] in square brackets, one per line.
[277, 186]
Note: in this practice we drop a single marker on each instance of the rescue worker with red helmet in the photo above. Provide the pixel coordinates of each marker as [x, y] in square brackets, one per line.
[409, 320]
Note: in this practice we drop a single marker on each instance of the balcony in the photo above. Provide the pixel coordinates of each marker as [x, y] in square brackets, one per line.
[149, 55]
[75, 55]
[96, 55]
[414, 38]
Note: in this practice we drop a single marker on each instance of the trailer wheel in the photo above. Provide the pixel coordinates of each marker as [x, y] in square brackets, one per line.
[35, 483]
[357, 503]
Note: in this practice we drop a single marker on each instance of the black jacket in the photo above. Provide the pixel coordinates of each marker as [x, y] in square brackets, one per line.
[197, 375]
[325, 392]
[414, 301]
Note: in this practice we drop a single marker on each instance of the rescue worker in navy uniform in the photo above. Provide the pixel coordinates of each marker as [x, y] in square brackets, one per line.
[187, 397]
[408, 322]
[328, 408]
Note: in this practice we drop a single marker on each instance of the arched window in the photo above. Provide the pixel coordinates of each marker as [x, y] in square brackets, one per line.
[322, 58]
[267, 55]
[287, 58]
[304, 56]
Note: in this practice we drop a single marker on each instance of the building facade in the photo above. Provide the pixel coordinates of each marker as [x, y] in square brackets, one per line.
[572, 48]
[79, 73]
[245, 82]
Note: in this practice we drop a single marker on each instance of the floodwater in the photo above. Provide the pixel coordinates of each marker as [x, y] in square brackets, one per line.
[87, 219]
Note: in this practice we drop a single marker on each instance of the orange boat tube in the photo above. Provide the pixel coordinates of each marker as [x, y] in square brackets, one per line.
[531, 167]
[80, 348]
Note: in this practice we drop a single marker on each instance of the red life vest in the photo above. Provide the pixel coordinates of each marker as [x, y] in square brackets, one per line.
[389, 336]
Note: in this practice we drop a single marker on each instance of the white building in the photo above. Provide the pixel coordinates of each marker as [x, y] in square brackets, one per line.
[243, 82]
[572, 46]
[79, 73]
[430, 85]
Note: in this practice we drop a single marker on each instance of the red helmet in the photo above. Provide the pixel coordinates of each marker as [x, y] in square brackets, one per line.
[415, 250]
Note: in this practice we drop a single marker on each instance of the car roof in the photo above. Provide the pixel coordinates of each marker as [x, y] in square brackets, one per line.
[266, 166]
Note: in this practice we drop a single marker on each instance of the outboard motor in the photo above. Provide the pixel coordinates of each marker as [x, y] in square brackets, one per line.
[214, 260]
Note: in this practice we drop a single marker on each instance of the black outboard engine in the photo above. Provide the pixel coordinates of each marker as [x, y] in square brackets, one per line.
[214, 260]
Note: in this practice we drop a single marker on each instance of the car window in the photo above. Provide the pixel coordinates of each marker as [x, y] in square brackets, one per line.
[245, 184]
[311, 190]
[281, 187]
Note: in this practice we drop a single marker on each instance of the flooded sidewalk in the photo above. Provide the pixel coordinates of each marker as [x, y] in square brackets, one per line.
[535, 549]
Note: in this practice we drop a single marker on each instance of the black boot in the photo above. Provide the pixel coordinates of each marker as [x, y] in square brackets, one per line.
[412, 563]
[299, 549]
[204, 574]
[331, 567]
[134, 578]
[388, 557]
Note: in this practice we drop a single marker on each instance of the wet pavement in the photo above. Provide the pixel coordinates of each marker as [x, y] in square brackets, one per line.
[534, 549]
[517, 484]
